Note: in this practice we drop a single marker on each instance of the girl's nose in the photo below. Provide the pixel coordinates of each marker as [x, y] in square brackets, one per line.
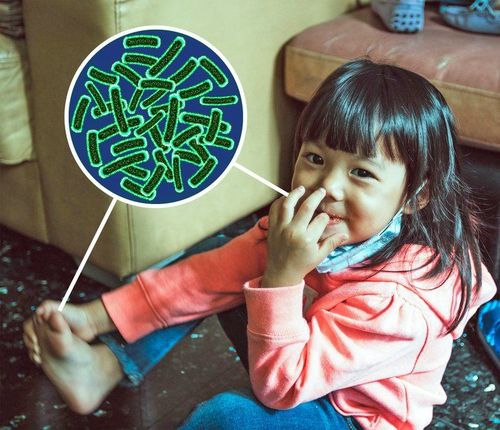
[334, 187]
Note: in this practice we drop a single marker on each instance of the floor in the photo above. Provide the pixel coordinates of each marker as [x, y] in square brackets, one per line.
[203, 364]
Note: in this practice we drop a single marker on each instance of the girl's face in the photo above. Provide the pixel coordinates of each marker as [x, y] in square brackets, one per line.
[362, 195]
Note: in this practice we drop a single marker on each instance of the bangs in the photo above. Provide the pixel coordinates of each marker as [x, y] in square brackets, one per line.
[366, 108]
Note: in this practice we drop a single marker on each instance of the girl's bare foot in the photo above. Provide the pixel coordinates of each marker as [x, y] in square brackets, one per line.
[75, 316]
[82, 374]
[86, 321]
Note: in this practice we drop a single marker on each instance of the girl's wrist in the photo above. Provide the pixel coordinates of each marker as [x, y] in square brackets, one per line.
[273, 279]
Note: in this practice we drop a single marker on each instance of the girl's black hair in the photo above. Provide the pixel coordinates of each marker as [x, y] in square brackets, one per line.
[362, 102]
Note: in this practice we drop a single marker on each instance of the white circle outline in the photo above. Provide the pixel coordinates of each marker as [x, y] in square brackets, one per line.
[68, 130]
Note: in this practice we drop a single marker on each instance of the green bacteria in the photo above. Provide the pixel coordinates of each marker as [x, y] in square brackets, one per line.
[170, 54]
[102, 77]
[141, 41]
[80, 111]
[202, 174]
[147, 138]
[214, 71]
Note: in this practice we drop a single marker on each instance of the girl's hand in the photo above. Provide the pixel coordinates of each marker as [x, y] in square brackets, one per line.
[294, 240]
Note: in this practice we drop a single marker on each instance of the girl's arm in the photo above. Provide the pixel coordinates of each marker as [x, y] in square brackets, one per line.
[196, 287]
[371, 336]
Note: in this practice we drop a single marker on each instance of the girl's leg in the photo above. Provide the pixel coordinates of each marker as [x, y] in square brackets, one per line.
[138, 358]
[239, 409]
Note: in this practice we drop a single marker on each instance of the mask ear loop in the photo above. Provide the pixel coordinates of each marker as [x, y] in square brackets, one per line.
[420, 188]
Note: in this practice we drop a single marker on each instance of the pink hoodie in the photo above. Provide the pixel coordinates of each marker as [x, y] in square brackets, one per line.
[372, 341]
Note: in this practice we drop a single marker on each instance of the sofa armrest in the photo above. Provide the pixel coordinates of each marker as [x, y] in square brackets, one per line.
[61, 33]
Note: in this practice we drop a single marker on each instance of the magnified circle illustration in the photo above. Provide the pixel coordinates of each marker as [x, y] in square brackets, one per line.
[155, 116]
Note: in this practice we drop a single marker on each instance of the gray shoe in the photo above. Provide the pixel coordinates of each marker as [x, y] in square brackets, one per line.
[478, 18]
[402, 16]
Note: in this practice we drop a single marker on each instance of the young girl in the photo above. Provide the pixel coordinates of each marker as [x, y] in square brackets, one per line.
[355, 285]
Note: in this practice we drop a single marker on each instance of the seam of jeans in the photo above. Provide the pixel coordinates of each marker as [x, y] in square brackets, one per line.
[129, 367]
[325, 410]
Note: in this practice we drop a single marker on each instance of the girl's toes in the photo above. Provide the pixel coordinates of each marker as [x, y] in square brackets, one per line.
[38, 320]
[57, 323]
[35, 358]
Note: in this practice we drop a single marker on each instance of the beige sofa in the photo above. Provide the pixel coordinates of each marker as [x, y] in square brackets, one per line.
[44, 194]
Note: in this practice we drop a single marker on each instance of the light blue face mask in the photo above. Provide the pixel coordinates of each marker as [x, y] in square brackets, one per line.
[345, 256]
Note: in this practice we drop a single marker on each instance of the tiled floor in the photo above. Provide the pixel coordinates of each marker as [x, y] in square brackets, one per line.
[202, 365]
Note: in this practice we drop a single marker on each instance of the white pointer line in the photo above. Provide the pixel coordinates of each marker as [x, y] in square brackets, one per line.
[108, 213]
[87, 254]
[261, 179]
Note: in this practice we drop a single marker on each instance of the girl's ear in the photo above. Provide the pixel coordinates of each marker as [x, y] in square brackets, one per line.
[422, 201]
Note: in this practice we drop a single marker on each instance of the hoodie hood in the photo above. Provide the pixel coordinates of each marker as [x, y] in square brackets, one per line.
[439, 295]
[442, 293]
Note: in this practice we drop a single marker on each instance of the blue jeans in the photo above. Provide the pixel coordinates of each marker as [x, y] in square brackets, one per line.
[239, 409]
[138, 358]
[228, 410]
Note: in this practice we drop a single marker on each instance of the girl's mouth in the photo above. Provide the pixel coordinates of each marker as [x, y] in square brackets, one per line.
[334, 219]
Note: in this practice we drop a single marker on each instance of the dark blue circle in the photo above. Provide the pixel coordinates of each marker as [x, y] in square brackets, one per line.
[103, 59]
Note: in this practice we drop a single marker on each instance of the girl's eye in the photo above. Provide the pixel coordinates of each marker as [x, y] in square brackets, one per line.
[362, 173]
[314, 158]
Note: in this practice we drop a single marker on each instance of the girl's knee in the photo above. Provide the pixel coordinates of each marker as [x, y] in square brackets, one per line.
[223, 411]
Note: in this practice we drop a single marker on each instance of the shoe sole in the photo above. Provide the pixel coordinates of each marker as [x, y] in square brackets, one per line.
[403, 16]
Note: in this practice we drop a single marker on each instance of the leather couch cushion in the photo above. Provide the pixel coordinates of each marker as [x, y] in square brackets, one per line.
[15, 133]
[464, 66]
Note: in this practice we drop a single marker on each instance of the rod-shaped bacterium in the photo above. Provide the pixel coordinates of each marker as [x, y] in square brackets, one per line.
[172, 119]
[137, 172]
[134, 101]
[122, 162]
[128, 144]
[196, 90]
[129, 74]
[223, 142]
[101, 76]
[204, 120]
[157, 95]
[184, 72]
[155, 179]
[219, 101]
[213, 128]
[80, 111]
[186, 134]
[136, 189]
[157, 83]
[141, 41]
[116, 101]
[93, 148]
[178, 185]
[112, 129]
[213, 70]
[202, 174]
[150, 123]
[170, 54]
[142, 59]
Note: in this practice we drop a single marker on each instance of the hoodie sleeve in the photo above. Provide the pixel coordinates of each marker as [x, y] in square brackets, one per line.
[365, 338]
[196, 287]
